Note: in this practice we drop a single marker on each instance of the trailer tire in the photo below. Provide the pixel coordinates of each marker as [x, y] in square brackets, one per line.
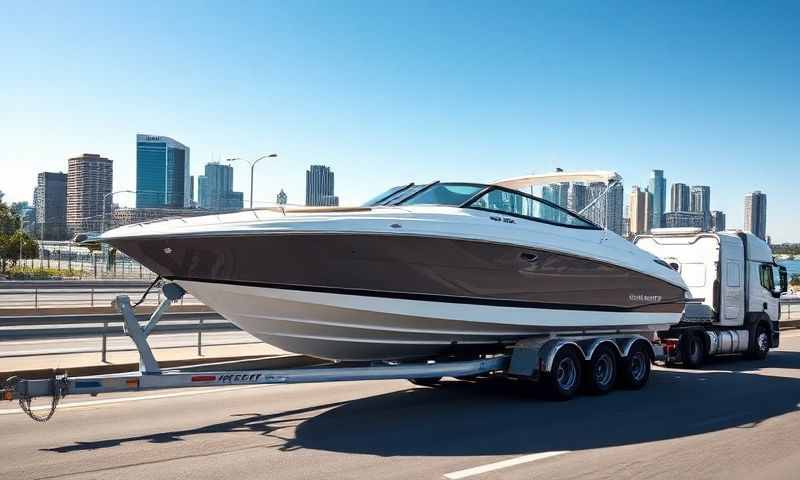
[601, 371]
[426, 382]
[564, 378]
[761, 342]
[634, 371]
[692, 350]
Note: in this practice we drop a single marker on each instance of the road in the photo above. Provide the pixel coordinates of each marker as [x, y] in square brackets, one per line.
[734, 419]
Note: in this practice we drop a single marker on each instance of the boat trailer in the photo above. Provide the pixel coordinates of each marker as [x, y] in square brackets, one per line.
[528, 359]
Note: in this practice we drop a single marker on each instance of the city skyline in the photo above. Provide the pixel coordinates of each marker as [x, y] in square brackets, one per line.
[417, 93]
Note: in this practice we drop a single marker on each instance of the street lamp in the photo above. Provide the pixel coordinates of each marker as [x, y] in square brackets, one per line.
[252, 168]
[103, 224]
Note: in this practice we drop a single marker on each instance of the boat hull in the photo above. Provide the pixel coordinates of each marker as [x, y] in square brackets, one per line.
[352, 327]
[377, 296]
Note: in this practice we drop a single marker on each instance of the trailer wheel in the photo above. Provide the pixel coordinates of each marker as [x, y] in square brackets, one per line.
[692, 350]
[635, 370]
[564, 378]
[760, 346]
[601, 373]
[426, 382]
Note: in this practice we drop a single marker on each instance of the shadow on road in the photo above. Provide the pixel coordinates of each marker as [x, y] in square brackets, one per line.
[498, 418]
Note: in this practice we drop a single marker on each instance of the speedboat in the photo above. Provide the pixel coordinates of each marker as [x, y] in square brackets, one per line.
[420, 271]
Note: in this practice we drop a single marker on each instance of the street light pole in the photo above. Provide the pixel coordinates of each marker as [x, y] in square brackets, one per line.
[103, 223]
[252, 170]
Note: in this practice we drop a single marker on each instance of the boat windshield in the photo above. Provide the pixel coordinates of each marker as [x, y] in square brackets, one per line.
[387, 196]
[518, 204]
[453, 194]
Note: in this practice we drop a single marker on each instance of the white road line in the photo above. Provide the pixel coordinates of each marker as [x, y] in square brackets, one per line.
[91, 403]
[502, 464]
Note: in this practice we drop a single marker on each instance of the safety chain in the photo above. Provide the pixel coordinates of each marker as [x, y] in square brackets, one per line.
[58, 385]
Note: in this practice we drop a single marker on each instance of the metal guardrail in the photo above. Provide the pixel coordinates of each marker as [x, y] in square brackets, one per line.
[790, 308]
[55, 294]
[103, 326]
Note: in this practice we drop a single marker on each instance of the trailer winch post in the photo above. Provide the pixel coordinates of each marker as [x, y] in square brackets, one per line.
[132, 328]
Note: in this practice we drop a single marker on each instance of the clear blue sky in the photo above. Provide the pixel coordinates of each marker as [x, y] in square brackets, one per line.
[389, 92]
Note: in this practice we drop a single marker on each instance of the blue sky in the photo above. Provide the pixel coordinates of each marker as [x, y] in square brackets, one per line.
[389, 92]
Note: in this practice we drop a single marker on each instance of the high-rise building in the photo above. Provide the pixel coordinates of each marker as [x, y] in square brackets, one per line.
[648, 210]
[701, 203]
[50, 201]
[717, 221]
[638, 211]
[683, 219]
[680, 198]
[192, 202]
[319, 186]
[282, 198]
[162, 173]
[658, 187]
[89, 182]
[607, 210]
[755, 214]
[215, 189]
[577, 197]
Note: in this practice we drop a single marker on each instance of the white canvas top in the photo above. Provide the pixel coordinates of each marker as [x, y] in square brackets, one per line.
[519, 183]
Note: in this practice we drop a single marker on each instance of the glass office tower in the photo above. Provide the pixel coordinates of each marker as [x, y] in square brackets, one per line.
[162, 173]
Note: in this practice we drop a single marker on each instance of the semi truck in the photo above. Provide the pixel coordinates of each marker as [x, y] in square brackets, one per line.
[735, 286]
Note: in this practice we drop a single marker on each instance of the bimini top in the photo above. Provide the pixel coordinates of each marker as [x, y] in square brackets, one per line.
[519, 183]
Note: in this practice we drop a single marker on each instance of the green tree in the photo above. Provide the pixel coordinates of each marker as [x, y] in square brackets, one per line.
[12, 246]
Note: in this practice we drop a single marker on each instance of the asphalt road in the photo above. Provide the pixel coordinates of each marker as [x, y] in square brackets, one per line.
[735, 419]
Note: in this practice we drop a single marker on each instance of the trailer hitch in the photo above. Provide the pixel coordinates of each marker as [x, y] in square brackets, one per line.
[17, 388]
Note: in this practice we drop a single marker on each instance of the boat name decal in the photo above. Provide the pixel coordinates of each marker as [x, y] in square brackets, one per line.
[642, 298]
[503, 219]
[239, 378]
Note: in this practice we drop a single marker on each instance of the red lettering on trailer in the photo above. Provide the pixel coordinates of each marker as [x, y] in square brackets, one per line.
[204, 378]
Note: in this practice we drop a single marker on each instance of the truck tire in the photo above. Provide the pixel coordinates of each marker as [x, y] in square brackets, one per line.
[426, 382]
[634, 371]
[564, 378]
[601, 371]
[760, 346]
[693, 350]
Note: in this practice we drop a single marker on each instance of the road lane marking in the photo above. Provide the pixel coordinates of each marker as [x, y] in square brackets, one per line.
[90, 403]
[502, 464]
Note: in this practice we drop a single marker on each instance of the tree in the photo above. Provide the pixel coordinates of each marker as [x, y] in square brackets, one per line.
[11, 246]
[9, 222]
[795, 281]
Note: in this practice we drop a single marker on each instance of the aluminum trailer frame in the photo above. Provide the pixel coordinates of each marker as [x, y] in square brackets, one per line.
[528, 359]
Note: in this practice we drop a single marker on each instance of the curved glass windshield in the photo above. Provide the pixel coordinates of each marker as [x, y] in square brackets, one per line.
[520, 205]
[387, 195]
[453, 194]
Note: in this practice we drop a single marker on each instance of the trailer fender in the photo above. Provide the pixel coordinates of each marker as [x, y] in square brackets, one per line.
[589, 346]
[625, 345]
[550, 349]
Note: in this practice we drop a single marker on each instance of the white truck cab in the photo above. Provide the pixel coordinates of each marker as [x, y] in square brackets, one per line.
[736, 285]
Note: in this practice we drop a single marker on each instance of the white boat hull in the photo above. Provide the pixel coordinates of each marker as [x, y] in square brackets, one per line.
[353, 327]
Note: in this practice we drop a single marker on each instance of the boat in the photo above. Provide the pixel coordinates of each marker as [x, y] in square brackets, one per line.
[420, 271]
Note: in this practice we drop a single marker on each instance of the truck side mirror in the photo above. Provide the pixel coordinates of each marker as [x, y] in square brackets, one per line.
[784, 279]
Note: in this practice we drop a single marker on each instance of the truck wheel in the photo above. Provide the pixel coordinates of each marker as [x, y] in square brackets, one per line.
[564, 378]
[635, 369]
[602, 371]
[426, 382]
[692, 350]
[760, 347]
